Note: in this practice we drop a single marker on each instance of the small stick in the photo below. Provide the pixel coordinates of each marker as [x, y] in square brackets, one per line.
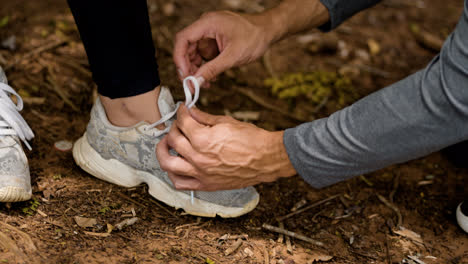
[266, 255]
[53, 85]
[234, 247]
[393, 207]
[281, 236]
[96, 234]
[299, 205]
[281, 219]
[164, 208]
[288, 245]
[396, 182]
[257, 99]
[292, 234]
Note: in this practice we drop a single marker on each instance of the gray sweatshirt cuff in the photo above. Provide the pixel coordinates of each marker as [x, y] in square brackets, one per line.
[340, 10]
[291, 144]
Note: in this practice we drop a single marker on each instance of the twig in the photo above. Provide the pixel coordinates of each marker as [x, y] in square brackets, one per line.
[288, 245]
[266, 255]
[281, 236]
[96, 234]
[257, 99]
[292, 234]
[130, 199]
[36, 51]
[233, 237]
[76, 66]
[281, 219]
[363, 255]
[387, 250]
[53, 85]
[396, 182]
[234, 247]
[393, 207]
[267, 63]
[164, 208]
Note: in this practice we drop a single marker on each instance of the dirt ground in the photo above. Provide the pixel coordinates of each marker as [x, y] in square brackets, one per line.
[374, 49]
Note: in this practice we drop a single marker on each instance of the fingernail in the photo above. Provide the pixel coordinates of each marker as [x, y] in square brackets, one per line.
[181, 73]
[200, 80]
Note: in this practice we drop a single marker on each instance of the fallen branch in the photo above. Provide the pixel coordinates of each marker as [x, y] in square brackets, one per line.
[292, 234]
[280, 219]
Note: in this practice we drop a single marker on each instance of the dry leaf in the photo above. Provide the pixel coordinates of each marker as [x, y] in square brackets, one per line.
[318, 257]
[85, 222]
[411, 235]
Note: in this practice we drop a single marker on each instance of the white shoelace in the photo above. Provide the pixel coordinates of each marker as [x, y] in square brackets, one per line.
[11, 121]
[189, 103]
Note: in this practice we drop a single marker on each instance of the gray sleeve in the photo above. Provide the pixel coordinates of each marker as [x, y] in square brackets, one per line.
[418, 115]
[340, 10]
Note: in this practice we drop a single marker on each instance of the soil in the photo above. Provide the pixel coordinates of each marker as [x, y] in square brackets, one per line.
[358, 227]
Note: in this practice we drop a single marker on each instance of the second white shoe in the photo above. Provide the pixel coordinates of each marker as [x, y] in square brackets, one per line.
[15, 182]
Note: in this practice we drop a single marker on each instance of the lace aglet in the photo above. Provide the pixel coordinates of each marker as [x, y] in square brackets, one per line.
[191, 197]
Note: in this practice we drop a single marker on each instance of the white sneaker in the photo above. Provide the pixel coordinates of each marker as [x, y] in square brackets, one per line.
[462, 215]
[15, 183]
[126, 156]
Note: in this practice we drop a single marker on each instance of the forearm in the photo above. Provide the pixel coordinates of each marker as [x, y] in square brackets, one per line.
[293, 16]
[412, 118]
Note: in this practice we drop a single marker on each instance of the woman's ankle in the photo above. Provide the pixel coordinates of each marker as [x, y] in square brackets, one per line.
[129, 111]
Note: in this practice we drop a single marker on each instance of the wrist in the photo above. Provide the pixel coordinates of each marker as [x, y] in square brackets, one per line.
[279, 156]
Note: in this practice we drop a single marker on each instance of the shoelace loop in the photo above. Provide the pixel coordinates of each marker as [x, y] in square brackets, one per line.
[189, 101]
[11, 121]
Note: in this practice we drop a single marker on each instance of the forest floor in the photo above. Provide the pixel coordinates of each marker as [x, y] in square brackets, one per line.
[374, 49]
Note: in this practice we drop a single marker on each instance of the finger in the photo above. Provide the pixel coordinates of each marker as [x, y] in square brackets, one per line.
[184, 183]
[180, 144]
[204, 118]
[213, 68]
[184, 39]
[173, 164]
[187, 125]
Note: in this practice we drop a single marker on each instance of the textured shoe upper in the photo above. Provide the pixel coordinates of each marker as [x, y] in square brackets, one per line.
[136, 147]
[14, 170]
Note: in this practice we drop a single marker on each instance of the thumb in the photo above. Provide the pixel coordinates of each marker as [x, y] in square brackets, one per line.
[205, 118]
[216, 66]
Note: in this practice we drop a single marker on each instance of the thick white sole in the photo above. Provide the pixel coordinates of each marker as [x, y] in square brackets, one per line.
[462, 219]
[11, 194]
[121, 174]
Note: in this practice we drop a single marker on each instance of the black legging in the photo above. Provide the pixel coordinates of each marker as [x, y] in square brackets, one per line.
[117, 37]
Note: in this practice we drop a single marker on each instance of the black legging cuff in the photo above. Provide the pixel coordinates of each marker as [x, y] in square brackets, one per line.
[117, 38]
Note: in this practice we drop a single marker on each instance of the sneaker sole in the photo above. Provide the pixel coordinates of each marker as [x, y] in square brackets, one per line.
[11, 194]
[118, 173]
[462, 219]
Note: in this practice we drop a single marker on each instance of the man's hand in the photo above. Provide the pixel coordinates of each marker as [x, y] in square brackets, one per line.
[224, 39]
[219, 153]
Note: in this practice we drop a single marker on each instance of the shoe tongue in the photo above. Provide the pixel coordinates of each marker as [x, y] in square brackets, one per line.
[165, 101]
[3, 78]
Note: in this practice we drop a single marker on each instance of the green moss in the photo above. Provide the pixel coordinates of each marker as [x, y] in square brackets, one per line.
[315, 86]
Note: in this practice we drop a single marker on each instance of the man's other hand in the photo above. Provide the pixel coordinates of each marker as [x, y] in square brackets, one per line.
[223, 39]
